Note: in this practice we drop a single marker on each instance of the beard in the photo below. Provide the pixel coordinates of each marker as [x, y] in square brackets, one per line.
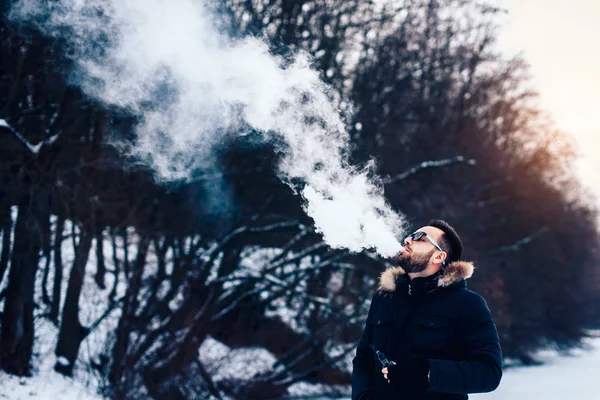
[413, 263]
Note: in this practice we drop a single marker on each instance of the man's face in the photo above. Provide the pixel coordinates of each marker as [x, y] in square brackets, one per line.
[418, 254]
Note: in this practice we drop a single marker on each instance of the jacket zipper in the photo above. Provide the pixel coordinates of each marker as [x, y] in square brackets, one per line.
[409, 289]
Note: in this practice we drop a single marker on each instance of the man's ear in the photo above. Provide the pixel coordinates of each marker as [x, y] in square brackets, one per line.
[442, 256]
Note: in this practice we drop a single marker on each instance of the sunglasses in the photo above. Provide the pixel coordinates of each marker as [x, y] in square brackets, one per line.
[419, 235]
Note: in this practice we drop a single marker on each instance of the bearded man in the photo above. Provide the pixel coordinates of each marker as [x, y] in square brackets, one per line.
[427, 336]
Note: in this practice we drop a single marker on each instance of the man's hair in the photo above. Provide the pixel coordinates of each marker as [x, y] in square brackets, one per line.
[450, 240]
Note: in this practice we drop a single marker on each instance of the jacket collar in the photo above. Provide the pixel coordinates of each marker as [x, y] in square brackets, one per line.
[455, 272]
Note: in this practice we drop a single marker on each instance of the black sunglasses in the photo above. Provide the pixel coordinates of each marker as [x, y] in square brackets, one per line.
[418, 235]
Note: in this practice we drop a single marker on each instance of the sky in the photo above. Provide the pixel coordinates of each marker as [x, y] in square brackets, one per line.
[561, 42]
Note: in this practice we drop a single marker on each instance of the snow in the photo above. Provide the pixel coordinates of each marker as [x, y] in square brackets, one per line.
[225, 363]
[572, 376]
[45, 383]
[46, 386]
[306, 390]
[62, 361]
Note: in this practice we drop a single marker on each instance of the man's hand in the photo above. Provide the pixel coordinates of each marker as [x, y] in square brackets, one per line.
[411, 371]
[385, 374]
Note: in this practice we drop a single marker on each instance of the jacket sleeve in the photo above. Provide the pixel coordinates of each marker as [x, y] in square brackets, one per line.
[362, 364]
[480, 369]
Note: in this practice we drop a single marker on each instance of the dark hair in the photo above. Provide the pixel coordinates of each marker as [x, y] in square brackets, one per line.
[450, 240]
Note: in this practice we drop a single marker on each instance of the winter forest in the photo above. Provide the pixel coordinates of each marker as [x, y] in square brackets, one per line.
[161, 202]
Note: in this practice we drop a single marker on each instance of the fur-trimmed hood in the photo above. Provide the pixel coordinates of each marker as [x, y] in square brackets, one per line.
[454, 272]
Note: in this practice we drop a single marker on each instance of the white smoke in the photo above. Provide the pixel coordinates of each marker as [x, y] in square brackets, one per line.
[165, 61]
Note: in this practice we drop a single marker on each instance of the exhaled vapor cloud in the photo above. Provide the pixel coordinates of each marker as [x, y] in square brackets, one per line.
[164, 61]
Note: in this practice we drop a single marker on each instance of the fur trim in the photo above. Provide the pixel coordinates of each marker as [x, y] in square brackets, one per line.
[455, 272]
[387, 279]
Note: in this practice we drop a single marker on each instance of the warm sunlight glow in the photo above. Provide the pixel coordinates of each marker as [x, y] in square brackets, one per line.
[561, 41]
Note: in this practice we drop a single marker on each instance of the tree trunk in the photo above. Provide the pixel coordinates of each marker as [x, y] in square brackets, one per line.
[58, 268]
[6, 224]
[47, 249]
[16, 337]
[101, 266]
[71, 332]
[116, 264]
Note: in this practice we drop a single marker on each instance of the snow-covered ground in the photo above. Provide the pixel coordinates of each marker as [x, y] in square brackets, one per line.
[45, 386]
[573, 376]
[561, 377]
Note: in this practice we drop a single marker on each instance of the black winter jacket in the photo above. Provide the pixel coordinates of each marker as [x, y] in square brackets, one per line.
[445, 322]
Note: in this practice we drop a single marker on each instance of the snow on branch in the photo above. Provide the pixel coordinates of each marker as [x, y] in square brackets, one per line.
[426, 165]
[35, 149]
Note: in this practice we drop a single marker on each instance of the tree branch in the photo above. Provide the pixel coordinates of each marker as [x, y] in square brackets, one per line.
[522, 242]
[426, 165]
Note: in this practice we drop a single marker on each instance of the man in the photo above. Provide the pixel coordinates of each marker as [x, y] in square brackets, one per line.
[438, 335]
